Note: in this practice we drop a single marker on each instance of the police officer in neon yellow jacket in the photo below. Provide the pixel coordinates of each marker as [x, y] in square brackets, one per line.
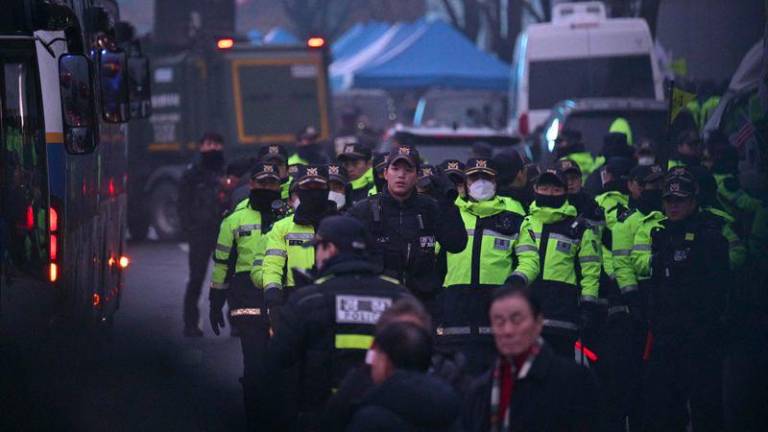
[277, 155]
[284, 251]
[355, 156]
[239, 253]
[570, 262]
[496, 250]
[308, 150]
[568, 145]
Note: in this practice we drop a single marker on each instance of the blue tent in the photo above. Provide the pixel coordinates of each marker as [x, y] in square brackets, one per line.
[433, 55]
[280, 36]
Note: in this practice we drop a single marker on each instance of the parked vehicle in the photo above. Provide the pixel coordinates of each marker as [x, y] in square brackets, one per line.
[593, 117]
[464, 108]
[580, 54]
[438, 144]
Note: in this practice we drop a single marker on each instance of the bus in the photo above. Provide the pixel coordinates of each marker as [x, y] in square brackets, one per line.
[70, 81]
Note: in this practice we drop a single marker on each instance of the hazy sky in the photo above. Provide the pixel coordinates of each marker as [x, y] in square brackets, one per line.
[138, 12]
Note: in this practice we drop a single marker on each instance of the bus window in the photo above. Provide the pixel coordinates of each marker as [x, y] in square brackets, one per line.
[23, 194]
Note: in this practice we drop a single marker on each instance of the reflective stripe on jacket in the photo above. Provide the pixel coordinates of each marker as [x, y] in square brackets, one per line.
[240, 234]
[285, 251]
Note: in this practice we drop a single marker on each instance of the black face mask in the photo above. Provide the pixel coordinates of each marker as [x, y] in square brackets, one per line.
[262, 199]
[650, 200]
[551, 201]
[212, 160]
[312, 200]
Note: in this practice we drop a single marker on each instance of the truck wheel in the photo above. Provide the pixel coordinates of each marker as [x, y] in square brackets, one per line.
[138, 224]
[162, 211]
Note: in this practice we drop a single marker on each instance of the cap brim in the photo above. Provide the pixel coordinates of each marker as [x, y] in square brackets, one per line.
[312, 179]
[668, 194]
[489, 171]
[353, 155]
[402, 157]
[265, 175]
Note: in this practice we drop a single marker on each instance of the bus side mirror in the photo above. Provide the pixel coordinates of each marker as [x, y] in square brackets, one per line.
[138, 85]
[78, 112]
[114, 86]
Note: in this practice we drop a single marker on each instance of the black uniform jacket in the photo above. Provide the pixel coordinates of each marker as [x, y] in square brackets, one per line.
[405, 235]
[555, 395]
[322, 326]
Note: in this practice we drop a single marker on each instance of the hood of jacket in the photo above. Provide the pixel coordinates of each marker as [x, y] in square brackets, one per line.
[482, 209]
[418, 398]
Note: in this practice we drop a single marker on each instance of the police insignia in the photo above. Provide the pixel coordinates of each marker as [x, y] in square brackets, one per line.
[352, 309]
[404, 150]
[312, 171]
[427, 171]
[427, 241]
[273, 149]
[268, 168]
[349, 149]
[480, 163]
[453, 165]
[333, 170]
[501, 244]
[563, 246]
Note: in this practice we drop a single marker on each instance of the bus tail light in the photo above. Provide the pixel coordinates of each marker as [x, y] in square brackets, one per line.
[316, 42]
[53, 247]
[225, 43]
[53, 244]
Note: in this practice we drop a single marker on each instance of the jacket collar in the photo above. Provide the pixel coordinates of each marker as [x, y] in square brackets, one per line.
[551, 215]
[482, 209]
[408, 202]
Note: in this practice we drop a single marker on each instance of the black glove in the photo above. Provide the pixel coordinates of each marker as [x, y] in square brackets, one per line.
[516, 281]
[217, 298]
[444, 187]
[636, 307]
[273, 299]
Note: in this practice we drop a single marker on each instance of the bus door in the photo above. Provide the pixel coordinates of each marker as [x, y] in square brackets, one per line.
[24, 251]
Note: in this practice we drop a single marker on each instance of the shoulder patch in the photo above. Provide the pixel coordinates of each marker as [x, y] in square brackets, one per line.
[353, 309]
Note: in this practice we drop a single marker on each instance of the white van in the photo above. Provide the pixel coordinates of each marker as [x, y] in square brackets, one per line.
[580, 54]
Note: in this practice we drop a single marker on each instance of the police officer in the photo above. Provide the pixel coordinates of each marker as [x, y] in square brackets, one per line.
[240, 252]
[569, 259]
[496, 248]
[201, 206]
[644, 184]
[339, 187]
[407, 226]
[585, 204]
[328, 326]
[454, 169]
[615, 196]
[568, 145]
[284, 251]
[276, 154]
[689, 281]
[308, 149]
[356, 159]
[379, 166]
[688, 149]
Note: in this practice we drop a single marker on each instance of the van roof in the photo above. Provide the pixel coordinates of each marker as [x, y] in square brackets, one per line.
[619, 36]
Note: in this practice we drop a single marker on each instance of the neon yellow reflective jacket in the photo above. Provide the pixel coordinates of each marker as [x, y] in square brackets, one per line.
[641, 247]
[285, 251]
[621, 125]
[610, 202]
[241, 238]
[364, 182]
[503, 250]
[622, 240]
[295, 159]
[562, 246]
[733, 198]
[737, 250]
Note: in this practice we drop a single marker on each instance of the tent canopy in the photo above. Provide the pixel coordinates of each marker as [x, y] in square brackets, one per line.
[417, 55]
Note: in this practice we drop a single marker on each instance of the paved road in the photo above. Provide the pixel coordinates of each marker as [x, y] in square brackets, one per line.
[145, 377]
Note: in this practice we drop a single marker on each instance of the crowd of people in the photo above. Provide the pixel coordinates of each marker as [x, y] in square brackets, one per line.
[377, 292]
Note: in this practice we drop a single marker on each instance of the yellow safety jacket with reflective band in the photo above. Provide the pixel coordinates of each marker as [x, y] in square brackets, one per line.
[365, 181]
[500, 254]
[295, 159]
[641, 247]
[285, 251]
[733, 198]
[562, 252]
[623, 238]
[240, 237]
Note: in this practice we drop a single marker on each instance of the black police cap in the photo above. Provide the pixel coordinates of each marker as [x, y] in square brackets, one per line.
[406, 153]
[336, 172]
[355, 150]
[264, 171]
[480, 165]
[311, 173]
[272, 152]
[345, 232]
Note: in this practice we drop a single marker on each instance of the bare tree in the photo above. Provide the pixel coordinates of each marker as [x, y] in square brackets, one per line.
[327, 18]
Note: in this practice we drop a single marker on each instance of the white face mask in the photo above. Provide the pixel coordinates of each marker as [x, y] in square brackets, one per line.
[482, 190]
[646, 160]
[339, 198]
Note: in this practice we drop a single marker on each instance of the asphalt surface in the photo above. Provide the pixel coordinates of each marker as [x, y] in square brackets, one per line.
[142, 375]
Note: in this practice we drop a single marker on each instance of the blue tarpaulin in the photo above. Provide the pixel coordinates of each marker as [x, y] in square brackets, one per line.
[280, 36]
[419, 55]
